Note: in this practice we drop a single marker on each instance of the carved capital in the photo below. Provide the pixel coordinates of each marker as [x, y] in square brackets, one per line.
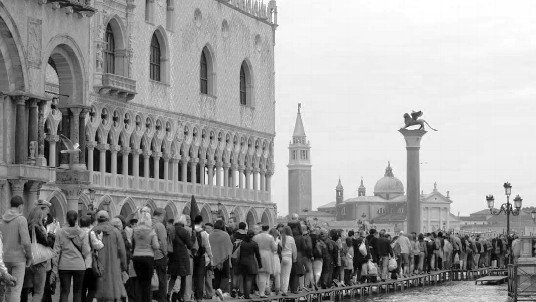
[167, 156]
[72, 191]
[157, 155]
[115, 148]
[17, 186]
[185, 159]
[147, 153]
[125, 151]
[241, 168]
[35, 186]
[211, 163]
[226, 165]
[219, 164]
[91, 145]
[194, 161]
[136, 151]
[256, 170]
[103, 147]
[53, 138]
[263, 172]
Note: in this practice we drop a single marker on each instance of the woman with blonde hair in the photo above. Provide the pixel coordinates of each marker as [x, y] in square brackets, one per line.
[34, 279]
[144, 243]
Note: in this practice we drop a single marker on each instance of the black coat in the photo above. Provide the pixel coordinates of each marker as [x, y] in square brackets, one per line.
[359, 259]
[249, 260]
[179, 265]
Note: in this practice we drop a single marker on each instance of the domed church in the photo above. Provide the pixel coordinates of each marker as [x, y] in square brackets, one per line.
[386, 209]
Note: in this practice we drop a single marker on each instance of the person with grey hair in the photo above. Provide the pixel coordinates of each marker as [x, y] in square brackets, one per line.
[144, 243]
[180, 263]
[160, 255]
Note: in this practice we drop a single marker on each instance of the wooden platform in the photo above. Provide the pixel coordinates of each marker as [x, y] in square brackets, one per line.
[492, 280]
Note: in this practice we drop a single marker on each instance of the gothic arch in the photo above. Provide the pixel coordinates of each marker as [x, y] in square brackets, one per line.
[12, 65]
[237, 213]
[59, 205]
[246, 75]
[127, 207]
[206, 213]
[208, 52]
[161, 36]
[118, 27]
[106, 203]
[251, 217]
[171, 210]
[69, 65]
[85, 201]
[267, 217]
[151, 204]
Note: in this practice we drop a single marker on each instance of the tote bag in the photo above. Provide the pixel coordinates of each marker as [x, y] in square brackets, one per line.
[154, 282]
[40, 253]
[392, 264]
[363, 248]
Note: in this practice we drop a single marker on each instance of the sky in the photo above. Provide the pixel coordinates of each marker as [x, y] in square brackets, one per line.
[357, 66]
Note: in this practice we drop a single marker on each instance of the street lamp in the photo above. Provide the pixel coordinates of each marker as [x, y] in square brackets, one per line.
[506, 208]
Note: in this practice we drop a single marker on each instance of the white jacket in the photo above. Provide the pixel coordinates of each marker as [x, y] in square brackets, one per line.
[3, 269]
[95, 244]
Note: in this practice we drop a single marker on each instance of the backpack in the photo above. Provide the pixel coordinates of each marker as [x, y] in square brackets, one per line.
[236, 249]
[96, 265]
[201, 250]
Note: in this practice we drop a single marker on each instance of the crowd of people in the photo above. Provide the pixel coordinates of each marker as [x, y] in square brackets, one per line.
[150, 257]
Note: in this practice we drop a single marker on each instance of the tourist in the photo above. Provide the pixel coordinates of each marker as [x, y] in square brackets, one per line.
[276, 276]
[89, 286]
[307, 257]
[16, 246]
[199, 265]
[477, 250]
[249, 262]
[422, 253]
[397, 251]
[113, 258]
[298, 268]
[447, 250]
[288, 257]
[405, 248]
[439, 242]
[51, 226]
[267, 246]
[72, 247]
[208, 290]
[144, 245]
[430, 252]
[222, 249]
[237, 238]
[319, 250]
[361, 257]
[502, 256]
[516, 248]
[385, 251]
[328, 261]
[35, 276]
[348, 259]
[372, 238]
[160, 256]
[456, 246]
[180, 263]
[415, 252]
[464, 251]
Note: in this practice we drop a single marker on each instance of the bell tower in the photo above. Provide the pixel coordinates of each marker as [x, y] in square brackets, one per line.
[299, 170]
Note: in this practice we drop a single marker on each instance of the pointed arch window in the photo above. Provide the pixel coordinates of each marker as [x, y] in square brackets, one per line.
[243, 92]
[203, 74]
[109, 51]
[155, 59]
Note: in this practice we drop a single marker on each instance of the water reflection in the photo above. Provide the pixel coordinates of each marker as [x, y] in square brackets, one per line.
[453, 291]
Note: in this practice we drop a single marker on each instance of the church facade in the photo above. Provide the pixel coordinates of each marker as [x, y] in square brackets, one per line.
[387, 207]
[166, 99]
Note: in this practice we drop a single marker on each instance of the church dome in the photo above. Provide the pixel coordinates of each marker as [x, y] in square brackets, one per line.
[389, 186]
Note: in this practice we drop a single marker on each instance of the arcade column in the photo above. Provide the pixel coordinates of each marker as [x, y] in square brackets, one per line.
[413, 145]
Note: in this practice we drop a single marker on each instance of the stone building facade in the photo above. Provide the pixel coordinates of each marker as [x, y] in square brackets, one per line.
[167, 99]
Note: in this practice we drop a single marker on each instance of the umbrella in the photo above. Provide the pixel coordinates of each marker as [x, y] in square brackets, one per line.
[194, 210]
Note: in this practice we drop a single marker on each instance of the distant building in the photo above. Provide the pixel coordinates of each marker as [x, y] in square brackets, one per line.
[299, 170]
[386, 209]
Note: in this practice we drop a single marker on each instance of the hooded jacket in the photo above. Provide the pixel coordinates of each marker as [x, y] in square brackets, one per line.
[72, 248]
[16, 238]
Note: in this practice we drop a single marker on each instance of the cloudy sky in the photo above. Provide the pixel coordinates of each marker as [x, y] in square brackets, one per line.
[357, 66]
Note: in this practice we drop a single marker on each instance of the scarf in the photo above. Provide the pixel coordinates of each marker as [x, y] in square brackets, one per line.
[221, 246]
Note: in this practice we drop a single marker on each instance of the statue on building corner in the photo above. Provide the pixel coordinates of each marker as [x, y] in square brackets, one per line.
[413, 120]
[99, 56]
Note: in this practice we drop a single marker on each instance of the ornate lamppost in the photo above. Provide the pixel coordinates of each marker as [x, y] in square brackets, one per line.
[506, 208]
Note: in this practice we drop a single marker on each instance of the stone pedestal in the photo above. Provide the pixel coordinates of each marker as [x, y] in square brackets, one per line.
[72, 183]
[413, 145]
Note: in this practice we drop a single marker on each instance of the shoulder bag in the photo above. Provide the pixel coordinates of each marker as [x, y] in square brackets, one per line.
[40, 253]
[96, 264]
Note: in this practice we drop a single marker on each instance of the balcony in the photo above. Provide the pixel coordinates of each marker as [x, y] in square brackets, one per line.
[118, 86]
[153, 186]
[82, 7]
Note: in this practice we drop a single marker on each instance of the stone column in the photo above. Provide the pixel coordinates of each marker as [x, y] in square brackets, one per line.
[75, 137]
[17, 187]
[226, 174]
[219, 165]
[72, 193]
[125, 151]
[193, 170]
[136, 163]
[90, 147]
[241, 177]
[34, 187]
[146, 157]
[32, 131]
[3, 196]
[248, 181]
[52, 139]
[210, 169]
[440, 218]
[2, 138]
[184, 168]
[114, 149]
[175, 172]
[41, 160]
[263, 180]
[413, 145]
[156, 166]
[166, 168]
[82, 137]
[234, 174]
[65, 130]
[269, 181]
[20, 133]
[256, 179]
[102, 167]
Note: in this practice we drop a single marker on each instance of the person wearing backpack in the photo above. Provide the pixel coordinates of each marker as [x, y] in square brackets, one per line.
[237, 238]
[222, 249]
[72, 248]
[90, 285]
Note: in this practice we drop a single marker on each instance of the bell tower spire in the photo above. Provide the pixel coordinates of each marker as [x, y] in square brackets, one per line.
[299, 169]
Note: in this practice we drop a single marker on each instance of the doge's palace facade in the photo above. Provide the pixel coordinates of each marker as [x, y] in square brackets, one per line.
[166, 98]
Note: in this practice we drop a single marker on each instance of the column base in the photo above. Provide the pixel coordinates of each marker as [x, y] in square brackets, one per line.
[41, 161]
[77, 167]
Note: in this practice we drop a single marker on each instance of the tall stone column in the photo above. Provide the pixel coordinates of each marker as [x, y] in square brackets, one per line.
[52, 140]
[219, 165]
[263, 179]
[210, 169]
[248, 179]
[146, 157]
[102, 159]
[235, 176]
[184, 168]
[75, 136]
[193, 170]
[256, 178]
[156, 166]
[241, 176]
[269, 181]
[113, 150]
[2, 138]
[82, 137]
[175, 172]
[202, 171]
[41, 160]
[90, 148]
[3, 196]
[166, 167]
[226, 174]
[125, 151]
[20, 131]
[413, 145]
[136, 164]
[33, 116]
[65, 130]
[34, 187]
[17, 187]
